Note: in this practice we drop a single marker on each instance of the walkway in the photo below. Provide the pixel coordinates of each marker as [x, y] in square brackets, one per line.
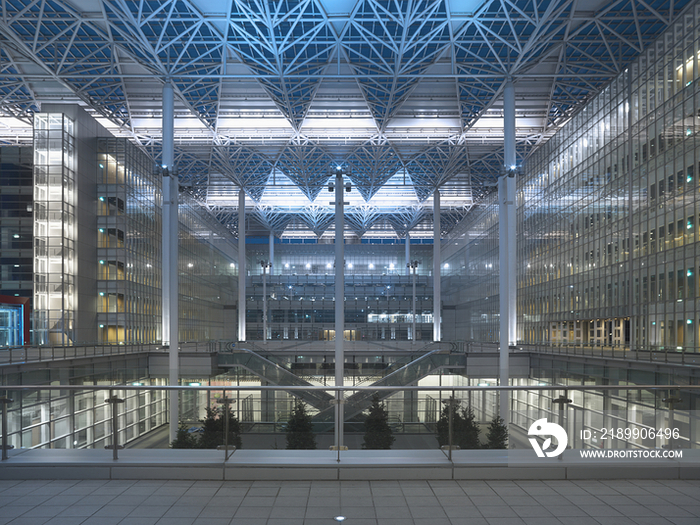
[446, 502]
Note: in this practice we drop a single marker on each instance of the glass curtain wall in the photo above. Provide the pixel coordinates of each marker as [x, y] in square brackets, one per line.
[208, 275]
[608, 214]
[129, 255]
[378, 293]
[129, 248]
[54, 229]
[83, 419]
[16, 221]
[609, 211]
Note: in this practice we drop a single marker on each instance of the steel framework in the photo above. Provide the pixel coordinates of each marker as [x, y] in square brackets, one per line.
[379, 87]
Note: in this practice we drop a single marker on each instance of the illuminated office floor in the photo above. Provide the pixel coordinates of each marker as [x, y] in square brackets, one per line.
[173, 502]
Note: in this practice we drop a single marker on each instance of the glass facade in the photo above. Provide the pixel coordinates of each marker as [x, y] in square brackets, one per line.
[608, 214]
[83, 419]
[208, 275]
[129, 255]
[54, 229]
[16, 221]
[11, 324]
[301, 292]
[128, 245]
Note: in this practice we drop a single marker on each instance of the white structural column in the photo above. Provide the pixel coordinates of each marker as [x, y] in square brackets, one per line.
[414, 267]
[507, 247]
[265, 265]
[339, 304]
[241, 265]
[408, 253]
[272, 251]
[437, 334]
[169, 276]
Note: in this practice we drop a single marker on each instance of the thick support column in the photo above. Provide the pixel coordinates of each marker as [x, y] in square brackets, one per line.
[272, 251]
[169, 269]
[507, 248]
[408, 253]
[437, 335]
[264, 269]
[339, 304]
[241, 265]
[509, 126]
[414, 267]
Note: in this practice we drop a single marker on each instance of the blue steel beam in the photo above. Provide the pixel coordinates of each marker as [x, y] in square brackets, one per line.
[393, 38]
[245, 166]
[283, 38]
[370, 166]
[308, 165]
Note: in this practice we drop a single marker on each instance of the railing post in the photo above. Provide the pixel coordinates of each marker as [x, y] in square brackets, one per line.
[114, 401]
[671, 400]
[450, 419]
[562, 400]
[5, 446]
[226, 423]
[226, 415]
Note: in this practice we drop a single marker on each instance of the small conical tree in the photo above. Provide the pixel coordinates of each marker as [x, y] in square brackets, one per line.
[468, 435]
[300, 430]
[497, 436]
[378, 433]
[184, 439]
[213, 428]
[443, 424]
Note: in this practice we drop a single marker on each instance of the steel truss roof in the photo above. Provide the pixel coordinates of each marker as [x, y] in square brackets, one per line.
[381, 87]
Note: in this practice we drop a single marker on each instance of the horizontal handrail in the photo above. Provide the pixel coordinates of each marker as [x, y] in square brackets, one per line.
[333, 388]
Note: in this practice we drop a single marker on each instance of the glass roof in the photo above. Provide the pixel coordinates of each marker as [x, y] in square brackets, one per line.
[292, 88]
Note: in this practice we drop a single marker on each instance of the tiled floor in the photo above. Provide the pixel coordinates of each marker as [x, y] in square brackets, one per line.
[361, 502]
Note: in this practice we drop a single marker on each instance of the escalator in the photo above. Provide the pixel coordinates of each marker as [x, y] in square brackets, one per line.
[407, 374]
[399, 373]
[273, 373]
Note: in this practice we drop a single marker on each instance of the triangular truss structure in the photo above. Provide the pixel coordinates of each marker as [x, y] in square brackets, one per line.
[246, 167]
[399, 40]
[173, 38]
[227, 216]
[272, 221]
[16, 97]
[317, 218]
[403, 221]
[450, 218]
[362, 218]
[370, 166]
[65, 45]
[195, 172]
[303, 61]
[282, 39]
[435, 165]
[307, 165]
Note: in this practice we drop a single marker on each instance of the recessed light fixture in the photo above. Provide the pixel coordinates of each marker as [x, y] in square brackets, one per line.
[339, 518]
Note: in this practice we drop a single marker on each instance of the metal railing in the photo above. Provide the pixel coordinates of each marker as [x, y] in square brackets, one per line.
[682, 355]
[671, 395]
[34, 354]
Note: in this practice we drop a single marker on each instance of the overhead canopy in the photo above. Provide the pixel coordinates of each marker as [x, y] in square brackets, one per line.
[290, 89]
